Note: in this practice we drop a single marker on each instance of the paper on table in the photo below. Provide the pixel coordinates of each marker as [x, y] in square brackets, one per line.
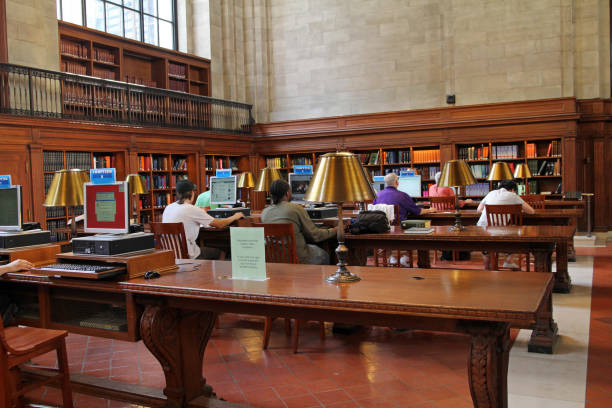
[248, 253]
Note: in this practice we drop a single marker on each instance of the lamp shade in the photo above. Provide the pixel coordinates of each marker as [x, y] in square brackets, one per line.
[456, 173]
[266, 177]
[339, 177]
[522, 171]
[500, 171]
[246, 180]
[66, 188]
[136, 184]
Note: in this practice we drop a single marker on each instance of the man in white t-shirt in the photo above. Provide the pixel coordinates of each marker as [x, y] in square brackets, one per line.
[505, 195]
[192, 218]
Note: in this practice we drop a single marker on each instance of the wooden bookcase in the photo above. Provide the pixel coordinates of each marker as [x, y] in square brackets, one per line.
[90, 52]
[161, 171]
[543, 156]
[209, 164]
[53, 160]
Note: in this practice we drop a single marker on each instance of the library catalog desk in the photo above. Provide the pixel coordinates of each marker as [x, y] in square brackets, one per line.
[174, 315]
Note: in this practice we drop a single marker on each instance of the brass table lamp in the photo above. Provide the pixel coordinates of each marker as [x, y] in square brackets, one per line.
[266, 177]
[136, 185]
[522, 172]
[500, 171]
[246, 183]
[339, 177]
[456, 173]
[66, 190]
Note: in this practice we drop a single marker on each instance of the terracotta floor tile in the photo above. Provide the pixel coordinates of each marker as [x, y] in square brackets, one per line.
[332, 397]
[303, 401]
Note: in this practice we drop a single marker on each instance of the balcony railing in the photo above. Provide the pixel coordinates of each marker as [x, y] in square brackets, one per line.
[48, 94]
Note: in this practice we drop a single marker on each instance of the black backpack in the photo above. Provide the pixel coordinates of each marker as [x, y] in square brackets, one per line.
[370, 222]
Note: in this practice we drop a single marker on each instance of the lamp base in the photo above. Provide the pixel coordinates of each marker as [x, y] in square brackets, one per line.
[342, 274]
[458, 225]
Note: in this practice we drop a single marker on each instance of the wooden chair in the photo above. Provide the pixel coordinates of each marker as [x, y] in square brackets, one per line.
[280, 248]
[537, 201]
[444, 203]
[171, 235]
[384, 253]
[505, 215]
[20, 344]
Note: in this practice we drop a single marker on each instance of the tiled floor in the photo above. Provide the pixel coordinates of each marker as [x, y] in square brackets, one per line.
[379, 366]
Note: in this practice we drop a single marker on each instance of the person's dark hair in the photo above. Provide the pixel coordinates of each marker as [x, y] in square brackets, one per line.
[278, 190]
[509, 185]
[182, 196]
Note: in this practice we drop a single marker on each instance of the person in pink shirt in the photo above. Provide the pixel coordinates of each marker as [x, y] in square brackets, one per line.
[435, 191]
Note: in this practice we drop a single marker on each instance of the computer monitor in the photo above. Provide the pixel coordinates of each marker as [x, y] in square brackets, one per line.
[10, 208]
[410, 185]
[106, 208]
[299, 184]
[223, 190]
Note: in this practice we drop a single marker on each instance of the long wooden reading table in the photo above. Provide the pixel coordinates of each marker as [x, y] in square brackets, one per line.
[176, 313]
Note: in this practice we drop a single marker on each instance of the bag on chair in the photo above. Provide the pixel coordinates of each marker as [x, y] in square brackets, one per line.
[370, 222]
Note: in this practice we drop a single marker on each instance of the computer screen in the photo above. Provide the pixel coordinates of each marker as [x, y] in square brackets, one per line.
[106, 208]
[10, 208]
[410, 185]
[299, 184]
[223, 190]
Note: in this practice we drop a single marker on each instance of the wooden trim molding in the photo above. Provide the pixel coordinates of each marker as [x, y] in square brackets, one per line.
[3, 33]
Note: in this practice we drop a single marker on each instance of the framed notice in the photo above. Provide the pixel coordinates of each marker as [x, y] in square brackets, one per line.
[248, 253]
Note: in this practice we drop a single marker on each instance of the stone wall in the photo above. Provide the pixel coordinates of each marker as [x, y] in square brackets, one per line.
[32, 33]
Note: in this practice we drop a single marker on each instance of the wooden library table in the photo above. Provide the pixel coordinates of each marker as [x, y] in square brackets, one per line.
[180, 310]
[539, 240]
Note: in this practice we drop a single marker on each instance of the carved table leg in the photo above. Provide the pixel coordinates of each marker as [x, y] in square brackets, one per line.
[177, 338]
[488, 363]
[544, 333]
[423, 258]
[563, 282]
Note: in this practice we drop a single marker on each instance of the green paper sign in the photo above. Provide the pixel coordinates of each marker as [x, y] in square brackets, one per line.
[248, 253]
[105, 207]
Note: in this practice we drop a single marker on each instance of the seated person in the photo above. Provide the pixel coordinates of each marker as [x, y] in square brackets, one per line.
[505, 195]
[203, 201]
[15, 266]
[192, 218]
[391, 196]
[306, 233]
[435, 191]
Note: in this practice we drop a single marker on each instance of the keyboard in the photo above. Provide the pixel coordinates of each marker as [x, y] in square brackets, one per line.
[88, 271]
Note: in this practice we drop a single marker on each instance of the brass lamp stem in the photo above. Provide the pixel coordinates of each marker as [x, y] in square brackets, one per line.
[342, 274]
[73, 227]
[458, 226]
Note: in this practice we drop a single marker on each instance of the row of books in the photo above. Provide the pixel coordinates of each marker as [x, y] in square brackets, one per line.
[53, 160]
[425, 156]
[175, 85]
[104, 73]
[53, 212]
[552, 150]
[276, 162]
[505, 152]
[73, 48]
[78, 160]
[104, 55]
[480, 170]
[176, 69]
[144, 201]
[368, 158]
[396, 156]
[74, 67]
[160, 181]
[162, 199]
[147, 163]
[208, 163]
[140, 81]
[425, 189]
[52, 225]
[545, 167]
[429, 172]
[177, 177]
[301, 161]
[478, 189]
[48, 178]
[103, 162]
[179, 164]
[473, 153]
[79, 97]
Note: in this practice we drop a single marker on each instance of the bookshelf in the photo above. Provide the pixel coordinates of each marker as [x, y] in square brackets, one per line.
[85, 51]
[53, 160]
[543, 156]
[209, 164]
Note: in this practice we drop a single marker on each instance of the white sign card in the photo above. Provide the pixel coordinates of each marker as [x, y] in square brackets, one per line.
[248, 253]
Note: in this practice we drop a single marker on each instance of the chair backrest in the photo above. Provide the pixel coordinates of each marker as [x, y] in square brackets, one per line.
[535, 200]
[443, 203]
[501, 215]
[171, 235]
[280, 242]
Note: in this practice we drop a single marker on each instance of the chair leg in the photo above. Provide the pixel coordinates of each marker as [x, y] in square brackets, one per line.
[266, 336]
[287, 327]
[296, 334]
[322, 330]
[62, 363]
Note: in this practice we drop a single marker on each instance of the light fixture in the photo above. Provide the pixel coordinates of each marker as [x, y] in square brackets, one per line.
[136, 185]
[340, 177]
[266, 177]
[66, 190]
[456, 173]
[500, 171]
[522, 172]
[246, 182]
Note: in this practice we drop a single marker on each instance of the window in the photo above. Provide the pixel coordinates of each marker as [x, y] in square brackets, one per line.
[151, 21]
